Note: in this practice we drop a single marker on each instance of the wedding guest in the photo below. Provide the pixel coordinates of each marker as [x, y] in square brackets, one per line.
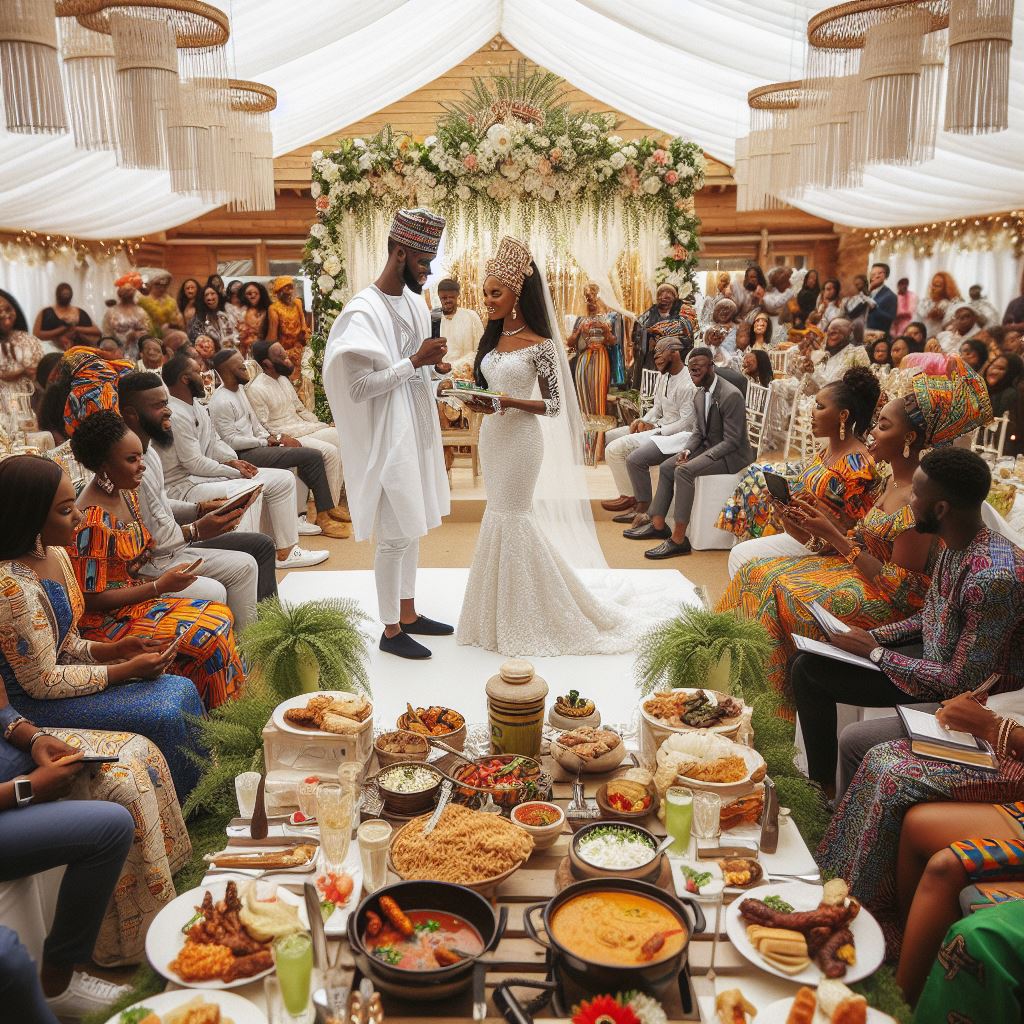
[761, 330]
[1014, 315]
[151, 355]
[917, 332]
[778, 294]
[723, 316]
[174, 342]
[757, 365]
[203, 351]
[596, 338]
[651, 325]
[723, 290]
[286, 321]
[963, 323]
[20, 351]
[126, 320]
[902, 347]
[718, 444]
[878, 571]
[842, 476]
[109, 546]
[239, 428]
[855, 306]
[883, 300]
[460, 326]
[879, 352]
[280, 410]
[63, 325]
[906, 307]
[254, 321]
[975, 354]
[199, 466]
[211, 321]
[189, 301]
[1011, 343]
[829, 305]
[936, 309]
[217, 282]
[50, 673]
[160, 307]
[1004, 377]
[753, 291]
[234, 310]
[987, 313]
[971, 624]
[632, 451]
[111, 347]
[807, 296]
[831, 363]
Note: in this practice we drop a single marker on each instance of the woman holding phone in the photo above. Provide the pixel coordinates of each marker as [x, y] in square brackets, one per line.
[111, 543]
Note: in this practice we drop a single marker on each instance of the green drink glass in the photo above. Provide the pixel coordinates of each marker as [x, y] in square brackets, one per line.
[293, 960]
[678, 818]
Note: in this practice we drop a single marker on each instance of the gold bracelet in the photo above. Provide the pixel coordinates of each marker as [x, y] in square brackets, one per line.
[853, 554]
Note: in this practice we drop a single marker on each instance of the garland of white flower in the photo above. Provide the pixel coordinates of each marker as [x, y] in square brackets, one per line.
[558, 171]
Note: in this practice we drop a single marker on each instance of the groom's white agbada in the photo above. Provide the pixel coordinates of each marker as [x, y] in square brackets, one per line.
[378, 377]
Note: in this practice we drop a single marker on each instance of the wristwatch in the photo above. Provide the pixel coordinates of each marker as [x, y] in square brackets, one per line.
[875, 654]
[23, 791]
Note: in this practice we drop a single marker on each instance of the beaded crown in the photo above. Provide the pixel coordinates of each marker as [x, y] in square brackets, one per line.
[510, 264]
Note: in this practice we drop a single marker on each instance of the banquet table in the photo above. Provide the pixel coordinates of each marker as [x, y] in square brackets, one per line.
[519, 957]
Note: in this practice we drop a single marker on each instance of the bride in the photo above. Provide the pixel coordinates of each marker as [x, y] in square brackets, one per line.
[524, 596]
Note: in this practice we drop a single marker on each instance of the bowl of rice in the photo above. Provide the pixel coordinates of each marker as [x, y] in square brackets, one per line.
[466, 848]
[614, 849]
[408, 787]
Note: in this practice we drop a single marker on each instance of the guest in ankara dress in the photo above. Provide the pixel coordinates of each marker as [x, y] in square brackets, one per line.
[110, 544]
[126, 320]
[598, 338]
[160, 307]
[665, 318]
[878, 571]
[286, 322]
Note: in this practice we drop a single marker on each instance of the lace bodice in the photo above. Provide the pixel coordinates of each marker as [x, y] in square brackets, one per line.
[515, 372]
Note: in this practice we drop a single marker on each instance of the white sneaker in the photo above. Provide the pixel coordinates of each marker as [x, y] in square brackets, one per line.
[308, 529]
[300, 558]
[85, 994]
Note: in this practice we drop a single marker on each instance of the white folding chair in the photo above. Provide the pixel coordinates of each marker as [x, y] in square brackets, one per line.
[757, 415]
[990, 439]
[801, 430]
[781, 360]
[649, 382]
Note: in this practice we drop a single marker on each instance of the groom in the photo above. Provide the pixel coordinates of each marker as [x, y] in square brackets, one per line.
[378, 378]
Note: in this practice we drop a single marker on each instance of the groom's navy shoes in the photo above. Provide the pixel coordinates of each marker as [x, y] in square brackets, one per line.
[427, 627]
[403, 646]
[669, 549]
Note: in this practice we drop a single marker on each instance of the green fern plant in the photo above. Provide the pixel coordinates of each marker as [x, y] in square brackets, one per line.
[299, 648]
[686, 650]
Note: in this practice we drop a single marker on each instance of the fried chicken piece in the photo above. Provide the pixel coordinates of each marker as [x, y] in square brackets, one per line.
[247, 966]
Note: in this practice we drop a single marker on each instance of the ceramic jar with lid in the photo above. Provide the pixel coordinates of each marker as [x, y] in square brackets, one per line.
[515, 709]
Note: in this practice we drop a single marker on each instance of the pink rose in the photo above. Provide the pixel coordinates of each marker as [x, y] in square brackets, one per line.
[323, 203]
[555, 155]
[660, 157]
[470, 162]
[678, 252]
[671, 177]
[544, 165]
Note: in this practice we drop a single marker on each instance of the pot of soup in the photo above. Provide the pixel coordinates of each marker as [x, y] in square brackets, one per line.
[609, 935]
[420, 940]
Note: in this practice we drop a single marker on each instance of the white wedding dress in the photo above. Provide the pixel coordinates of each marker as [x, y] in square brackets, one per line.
[523, 597]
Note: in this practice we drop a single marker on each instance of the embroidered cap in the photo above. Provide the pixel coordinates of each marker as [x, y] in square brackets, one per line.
[419, 229]
[510, 264]
[281, 282]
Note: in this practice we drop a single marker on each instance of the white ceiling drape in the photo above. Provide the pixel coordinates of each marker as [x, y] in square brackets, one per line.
[683, 66]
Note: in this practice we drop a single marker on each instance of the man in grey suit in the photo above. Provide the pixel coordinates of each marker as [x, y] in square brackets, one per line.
[719, 444]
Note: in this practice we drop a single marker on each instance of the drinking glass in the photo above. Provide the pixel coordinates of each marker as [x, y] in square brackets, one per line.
[307, 795]
[293, 962]
[246, 786]
[374, 838]
[334, 815]
[678, 818]
[707, 810]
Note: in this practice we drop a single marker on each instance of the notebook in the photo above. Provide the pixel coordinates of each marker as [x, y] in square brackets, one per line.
[811, 646]
[826, 621]
[929, 739]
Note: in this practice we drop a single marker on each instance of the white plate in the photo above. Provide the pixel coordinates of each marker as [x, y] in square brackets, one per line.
[165, 938]
[710, 891]
[741, 787]
[337, 923]
[239, 1010]
[299, 869]
[726, 728]
[300, 701]
[778, 1013]
[867, 936]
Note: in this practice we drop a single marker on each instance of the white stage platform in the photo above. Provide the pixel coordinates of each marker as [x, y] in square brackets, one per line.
[455, 676]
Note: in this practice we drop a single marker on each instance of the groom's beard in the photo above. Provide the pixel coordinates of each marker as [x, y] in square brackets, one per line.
[411, 280]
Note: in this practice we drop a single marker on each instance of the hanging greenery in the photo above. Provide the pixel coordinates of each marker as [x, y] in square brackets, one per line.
[511, 141]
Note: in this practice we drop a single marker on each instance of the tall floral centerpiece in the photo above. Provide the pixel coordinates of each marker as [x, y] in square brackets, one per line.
[513, 154]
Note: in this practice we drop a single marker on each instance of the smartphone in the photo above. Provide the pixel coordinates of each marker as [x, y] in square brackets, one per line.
[190, 569]
[435, 327]
[778, 487]
[238, 501]
[101, 758]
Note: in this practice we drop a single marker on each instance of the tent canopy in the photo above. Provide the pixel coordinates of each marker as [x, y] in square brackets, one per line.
[684, 67]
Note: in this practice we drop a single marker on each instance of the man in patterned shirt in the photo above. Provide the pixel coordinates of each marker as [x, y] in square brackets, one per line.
[971, 625]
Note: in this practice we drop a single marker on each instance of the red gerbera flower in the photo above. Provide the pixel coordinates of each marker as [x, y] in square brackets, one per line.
[604, 1010]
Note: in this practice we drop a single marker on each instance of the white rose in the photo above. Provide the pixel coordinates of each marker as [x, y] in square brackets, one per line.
[318, 230]
[617, 160]
[365, 162]
[499, 137]
[630, 152]
[429, 141]
[548, 193]
[317, 256]
[330, 170]
[315, 189]
[332, 265]
[652, 185]
[337, 295]
[463, 192]
[325, 283]
[318, 154]
[686, 172]
[359, 144]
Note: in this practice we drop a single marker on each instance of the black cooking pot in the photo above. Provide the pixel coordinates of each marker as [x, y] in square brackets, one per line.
[443, 896]
[596, 977]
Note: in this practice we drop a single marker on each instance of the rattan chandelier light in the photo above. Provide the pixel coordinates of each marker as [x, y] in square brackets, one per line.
[765, 157]
[252, 147]
[90, 78]
[30, 68]
[978, 86]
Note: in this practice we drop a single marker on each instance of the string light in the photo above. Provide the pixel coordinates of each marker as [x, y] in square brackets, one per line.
[33, 245]
[1003, 230]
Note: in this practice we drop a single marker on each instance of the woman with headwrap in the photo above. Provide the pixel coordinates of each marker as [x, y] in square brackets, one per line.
[723, 290]
[877, 571]
[597, 337]
[160, 306]
[126, 320]
[662, 320]
[723, 314]
[286, 321]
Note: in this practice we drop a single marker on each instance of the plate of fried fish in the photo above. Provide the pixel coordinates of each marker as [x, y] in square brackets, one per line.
[330, 711]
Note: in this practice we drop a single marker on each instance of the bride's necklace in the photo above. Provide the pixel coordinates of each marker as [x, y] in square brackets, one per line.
[511, 334]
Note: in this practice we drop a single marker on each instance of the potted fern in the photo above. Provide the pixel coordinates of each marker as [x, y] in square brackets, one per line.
[305, 647]
[701, 648]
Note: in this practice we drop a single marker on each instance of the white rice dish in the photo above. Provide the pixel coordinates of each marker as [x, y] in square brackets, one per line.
[408, 780]
[615, 848]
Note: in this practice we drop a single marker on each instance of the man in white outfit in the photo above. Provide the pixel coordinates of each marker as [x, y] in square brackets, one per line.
[631, 451]
[278, 407]
[199, 466]
[460, 327]
[378, 378]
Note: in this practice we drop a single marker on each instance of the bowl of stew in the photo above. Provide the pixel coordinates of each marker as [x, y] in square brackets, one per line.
[420, 940]
[510, 779]
[542, 820]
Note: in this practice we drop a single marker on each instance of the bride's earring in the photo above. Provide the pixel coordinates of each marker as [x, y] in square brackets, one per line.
[514, 313]
[906, 448]
[842, 430]
[39, 548]
[104, 482]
